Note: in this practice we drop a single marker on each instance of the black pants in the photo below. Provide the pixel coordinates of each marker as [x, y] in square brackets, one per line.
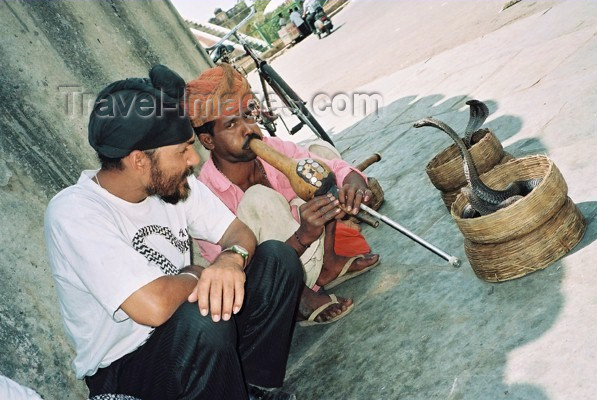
[310, 21]
[304, 29]
[192, 357]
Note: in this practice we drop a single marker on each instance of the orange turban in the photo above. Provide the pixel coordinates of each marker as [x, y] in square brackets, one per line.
[217, 92]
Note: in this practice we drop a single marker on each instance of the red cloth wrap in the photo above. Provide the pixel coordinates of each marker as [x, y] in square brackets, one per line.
[349, 242]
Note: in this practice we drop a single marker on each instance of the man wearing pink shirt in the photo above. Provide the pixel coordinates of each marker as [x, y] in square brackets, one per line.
[261, 196]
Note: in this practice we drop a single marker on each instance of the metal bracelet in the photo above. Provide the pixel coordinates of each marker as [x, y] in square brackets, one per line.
[190, 273]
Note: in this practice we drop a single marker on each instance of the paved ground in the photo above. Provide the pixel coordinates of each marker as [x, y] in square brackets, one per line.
[421, 329]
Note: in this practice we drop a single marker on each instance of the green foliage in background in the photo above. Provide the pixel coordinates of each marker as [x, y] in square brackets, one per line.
[268, 24]
[260, 26]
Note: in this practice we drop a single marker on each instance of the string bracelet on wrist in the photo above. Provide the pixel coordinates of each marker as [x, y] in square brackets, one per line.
[298, 239]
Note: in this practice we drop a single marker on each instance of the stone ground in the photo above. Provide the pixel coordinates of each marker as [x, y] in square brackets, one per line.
[422, 329]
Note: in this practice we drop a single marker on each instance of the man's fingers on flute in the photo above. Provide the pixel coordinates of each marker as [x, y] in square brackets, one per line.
[317, 202]
[350, 195]
[330, 211]
[358, 199]
[324, 208]
[342, 195]
[368, 195]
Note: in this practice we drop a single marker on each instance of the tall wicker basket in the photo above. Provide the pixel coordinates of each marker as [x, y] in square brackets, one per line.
[528, 235]
[446, 170]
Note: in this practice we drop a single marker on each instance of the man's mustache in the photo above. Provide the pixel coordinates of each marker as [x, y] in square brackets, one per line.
[249, 138]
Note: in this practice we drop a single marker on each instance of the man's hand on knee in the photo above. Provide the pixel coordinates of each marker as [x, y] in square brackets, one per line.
[221, 288]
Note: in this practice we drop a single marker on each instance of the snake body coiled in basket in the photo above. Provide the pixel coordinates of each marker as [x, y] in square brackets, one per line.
[483, 200]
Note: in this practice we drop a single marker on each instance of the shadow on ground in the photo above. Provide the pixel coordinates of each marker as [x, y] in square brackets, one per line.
[422, 329]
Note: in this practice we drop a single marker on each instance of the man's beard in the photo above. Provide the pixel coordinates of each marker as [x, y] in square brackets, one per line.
[169, 189]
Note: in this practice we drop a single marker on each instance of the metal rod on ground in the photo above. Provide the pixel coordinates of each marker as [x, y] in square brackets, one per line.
[308, 176]
[454, 261]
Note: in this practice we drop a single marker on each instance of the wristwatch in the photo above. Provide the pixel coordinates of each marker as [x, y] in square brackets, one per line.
[239, 250]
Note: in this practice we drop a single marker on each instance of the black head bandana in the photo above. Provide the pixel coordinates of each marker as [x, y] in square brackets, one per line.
[139, 114]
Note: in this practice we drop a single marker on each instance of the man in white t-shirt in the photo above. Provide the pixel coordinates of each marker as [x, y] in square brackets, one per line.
[310, 7]
[11, 390]
[144, 321]
[298, 21]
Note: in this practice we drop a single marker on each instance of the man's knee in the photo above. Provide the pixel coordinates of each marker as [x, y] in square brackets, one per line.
[279, 254]
[258, 194]
[261, 203]
[323, 149]
[267, 213]
[190, 325]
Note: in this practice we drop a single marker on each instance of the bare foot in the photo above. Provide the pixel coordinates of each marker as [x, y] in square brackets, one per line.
[311, 301]
[333, 264]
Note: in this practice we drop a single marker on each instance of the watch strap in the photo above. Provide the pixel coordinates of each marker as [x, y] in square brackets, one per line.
[240, 251]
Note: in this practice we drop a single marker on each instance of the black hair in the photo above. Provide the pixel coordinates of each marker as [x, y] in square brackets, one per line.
[207, 127]
[150, 153]
[280, 15]
[110, 164]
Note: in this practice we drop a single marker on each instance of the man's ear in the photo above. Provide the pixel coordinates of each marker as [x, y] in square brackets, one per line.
[137, 161]
[207, 141]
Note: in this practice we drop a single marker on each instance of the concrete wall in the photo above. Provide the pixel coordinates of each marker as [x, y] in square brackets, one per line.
[46, 46]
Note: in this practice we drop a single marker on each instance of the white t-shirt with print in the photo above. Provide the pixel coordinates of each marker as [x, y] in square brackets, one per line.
[102, 249]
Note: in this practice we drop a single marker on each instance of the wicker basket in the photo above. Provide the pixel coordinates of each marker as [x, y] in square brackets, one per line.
[523, 216]
[507, 157]
[531, 252]
[449, 197]
[446, 170]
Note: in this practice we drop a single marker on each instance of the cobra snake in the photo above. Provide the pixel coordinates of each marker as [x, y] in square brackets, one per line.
[478, 114]
[483, 200]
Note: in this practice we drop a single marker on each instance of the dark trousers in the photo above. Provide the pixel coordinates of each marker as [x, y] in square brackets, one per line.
[310, 21]
[304, 29]
[192, 357]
